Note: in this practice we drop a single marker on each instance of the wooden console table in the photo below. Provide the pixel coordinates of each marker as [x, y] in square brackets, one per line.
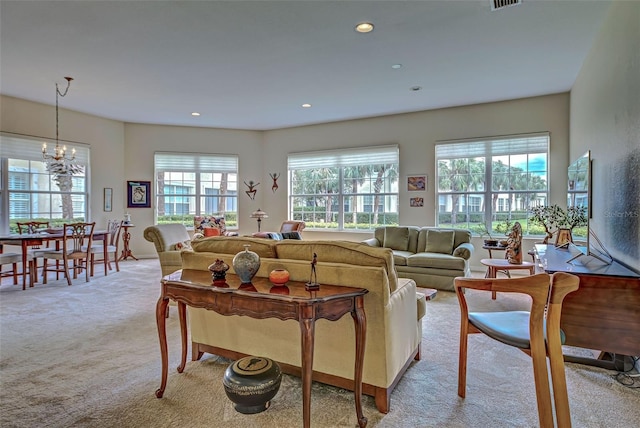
[194, 288]
[604, 313]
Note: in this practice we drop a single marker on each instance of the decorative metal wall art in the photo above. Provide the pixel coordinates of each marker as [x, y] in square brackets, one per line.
[251, 193]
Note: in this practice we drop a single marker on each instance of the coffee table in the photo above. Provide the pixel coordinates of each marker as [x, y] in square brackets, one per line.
[330, 302]
[495, 265]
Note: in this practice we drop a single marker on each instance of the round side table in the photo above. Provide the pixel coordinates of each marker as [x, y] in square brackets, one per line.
[495, 265]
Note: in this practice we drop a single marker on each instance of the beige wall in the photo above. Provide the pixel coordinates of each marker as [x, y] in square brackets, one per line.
[106, 138]
[416, 134]
[113, 162]
[605, 118]
[144, 140]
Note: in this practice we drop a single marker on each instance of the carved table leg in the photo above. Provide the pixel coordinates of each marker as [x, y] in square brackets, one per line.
[360, 323]
[307, 328]
[161, 322]
[182, 316]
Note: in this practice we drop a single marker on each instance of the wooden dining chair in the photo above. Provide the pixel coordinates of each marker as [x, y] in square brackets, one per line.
[536, 332]
[112, 242]
[14, 259]
[34, 227]
[76, 248]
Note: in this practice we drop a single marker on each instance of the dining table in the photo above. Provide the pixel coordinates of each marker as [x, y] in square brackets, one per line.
[27, 240]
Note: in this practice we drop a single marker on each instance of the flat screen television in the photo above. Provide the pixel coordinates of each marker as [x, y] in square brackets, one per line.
[579, 195]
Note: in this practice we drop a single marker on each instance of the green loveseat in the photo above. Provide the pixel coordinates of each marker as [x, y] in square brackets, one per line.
[431, 256]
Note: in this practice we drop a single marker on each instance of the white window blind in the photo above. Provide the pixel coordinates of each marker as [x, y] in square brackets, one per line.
[531, 143]
[195, 162]
[26, 147]
[375, 155]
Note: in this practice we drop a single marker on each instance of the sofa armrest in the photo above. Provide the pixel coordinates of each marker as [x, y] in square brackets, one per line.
[372, 242]
[464, 250]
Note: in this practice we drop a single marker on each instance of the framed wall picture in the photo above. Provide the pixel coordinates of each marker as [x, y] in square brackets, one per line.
[417, 183]
[138, 194]
[416, 202]
[108, 199]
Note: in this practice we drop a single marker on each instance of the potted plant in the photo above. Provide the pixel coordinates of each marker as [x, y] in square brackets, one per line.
[483, 231]
[504, 227]
[553, 218]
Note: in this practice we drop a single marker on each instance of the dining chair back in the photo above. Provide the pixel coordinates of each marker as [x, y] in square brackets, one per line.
[114, 228]
[536, 332]
[31, 228]
[76, 248]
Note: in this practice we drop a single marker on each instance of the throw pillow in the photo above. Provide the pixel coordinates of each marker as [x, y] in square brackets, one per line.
[185, 245]
[396, 238]
[440, 241]
[200, 223]
[211, 231]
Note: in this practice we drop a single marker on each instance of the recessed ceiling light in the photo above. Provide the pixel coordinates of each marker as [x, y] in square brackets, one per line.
[195, 113]
[306, 105]
[416, 88]
[396, 66]
[364, 27]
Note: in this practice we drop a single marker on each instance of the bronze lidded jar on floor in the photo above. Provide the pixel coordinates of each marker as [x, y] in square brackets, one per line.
[251, 383]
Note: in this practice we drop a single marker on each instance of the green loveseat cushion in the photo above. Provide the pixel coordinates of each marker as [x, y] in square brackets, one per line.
[439, 241]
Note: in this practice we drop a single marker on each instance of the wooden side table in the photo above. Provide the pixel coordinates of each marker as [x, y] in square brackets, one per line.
[495, 265]
[126, 237]
[330, 302]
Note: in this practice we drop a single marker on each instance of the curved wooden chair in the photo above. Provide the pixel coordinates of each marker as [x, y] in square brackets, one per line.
[536, 333]
[76, 248]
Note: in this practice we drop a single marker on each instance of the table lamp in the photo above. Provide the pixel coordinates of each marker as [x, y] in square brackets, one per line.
[259, 215]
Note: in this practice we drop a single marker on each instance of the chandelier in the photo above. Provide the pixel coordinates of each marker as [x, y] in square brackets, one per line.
[59, 163]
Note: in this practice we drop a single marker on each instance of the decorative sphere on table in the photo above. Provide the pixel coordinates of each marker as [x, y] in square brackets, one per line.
[279, 276]
[251, 383]
[246, 264]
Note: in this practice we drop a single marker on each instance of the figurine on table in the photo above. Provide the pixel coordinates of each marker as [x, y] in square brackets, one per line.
[313, 279]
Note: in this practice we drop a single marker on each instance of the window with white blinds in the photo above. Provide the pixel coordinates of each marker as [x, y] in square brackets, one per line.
[346, 189]
[29, 192]
[488, 184]
[190, 184]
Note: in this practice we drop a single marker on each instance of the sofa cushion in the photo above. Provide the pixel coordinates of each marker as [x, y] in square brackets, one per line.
[400, 257]
[233, 245]
[436, 260]
[439, 241]
[396, 238]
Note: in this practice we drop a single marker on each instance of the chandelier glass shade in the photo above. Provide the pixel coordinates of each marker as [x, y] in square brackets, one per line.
[59, 162]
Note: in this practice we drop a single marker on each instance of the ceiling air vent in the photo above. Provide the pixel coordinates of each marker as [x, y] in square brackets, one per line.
[501, 4]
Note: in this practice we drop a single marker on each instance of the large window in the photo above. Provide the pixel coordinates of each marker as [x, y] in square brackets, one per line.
[347, 189]
[488, 184]
[28, 191]
[196, 184]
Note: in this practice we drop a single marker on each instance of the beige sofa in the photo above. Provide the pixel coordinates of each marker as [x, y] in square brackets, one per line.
[431, 256]
[393, 309]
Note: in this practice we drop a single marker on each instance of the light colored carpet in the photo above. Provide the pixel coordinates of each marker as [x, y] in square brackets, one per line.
[88, 356]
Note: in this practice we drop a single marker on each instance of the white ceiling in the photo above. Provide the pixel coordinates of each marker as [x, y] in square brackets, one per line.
[251, 64]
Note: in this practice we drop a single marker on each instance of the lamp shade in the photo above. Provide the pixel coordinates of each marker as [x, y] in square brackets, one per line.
[259, 214]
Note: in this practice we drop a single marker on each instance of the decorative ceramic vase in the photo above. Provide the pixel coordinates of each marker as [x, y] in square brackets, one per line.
[251, 383]
[218, 270]
[246, 264]
[279, 276]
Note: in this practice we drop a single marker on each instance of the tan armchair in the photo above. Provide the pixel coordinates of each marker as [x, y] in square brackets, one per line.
[169, 239]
